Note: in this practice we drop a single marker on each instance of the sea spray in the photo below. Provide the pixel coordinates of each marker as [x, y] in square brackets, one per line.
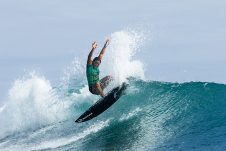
[32, 103]
[119, 61]
[73, 78]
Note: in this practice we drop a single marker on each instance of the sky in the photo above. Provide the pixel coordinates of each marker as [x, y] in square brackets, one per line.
[185, 38]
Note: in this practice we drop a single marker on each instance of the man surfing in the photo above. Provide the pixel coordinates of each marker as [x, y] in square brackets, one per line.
[96, 86]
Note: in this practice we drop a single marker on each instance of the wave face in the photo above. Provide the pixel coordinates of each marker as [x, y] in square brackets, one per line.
[151, 115]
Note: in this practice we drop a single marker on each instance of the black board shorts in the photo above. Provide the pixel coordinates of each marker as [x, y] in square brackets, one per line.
[93, 90]
[103, 83]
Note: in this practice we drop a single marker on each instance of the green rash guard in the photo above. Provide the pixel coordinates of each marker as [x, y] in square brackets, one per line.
[92, 74]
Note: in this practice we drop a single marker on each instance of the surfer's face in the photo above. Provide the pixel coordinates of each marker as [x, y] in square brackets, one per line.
[96, 63]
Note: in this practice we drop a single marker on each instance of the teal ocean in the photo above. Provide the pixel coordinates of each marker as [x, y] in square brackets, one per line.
[151, 115]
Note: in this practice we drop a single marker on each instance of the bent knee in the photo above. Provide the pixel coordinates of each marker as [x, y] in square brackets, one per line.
[97, 84]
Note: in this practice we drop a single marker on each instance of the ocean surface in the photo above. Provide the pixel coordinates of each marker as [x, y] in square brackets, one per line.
[152, 115]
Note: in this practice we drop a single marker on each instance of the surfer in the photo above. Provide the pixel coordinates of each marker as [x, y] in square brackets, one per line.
[96, 86]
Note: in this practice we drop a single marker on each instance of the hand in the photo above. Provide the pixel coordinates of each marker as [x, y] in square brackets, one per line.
[107, 43]
[94, 45]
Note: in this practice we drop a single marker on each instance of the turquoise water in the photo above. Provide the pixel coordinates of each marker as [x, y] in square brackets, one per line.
[150, 116]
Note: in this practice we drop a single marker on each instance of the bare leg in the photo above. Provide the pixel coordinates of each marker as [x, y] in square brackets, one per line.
[100, 86]
[105, 81]
[96, 89]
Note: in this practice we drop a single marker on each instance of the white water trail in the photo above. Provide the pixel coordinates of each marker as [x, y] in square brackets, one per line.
[65, 141]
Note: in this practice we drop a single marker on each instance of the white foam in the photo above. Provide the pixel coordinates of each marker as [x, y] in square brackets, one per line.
[31, 103]
[131, 114]
[65, 141]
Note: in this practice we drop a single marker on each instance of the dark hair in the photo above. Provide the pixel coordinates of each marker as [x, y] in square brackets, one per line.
[96, 58]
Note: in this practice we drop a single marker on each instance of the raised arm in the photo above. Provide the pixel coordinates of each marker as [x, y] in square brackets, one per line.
[89, 60]
[103, 49]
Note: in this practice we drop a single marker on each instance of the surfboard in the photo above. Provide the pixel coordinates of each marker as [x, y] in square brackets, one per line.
[103, 103]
